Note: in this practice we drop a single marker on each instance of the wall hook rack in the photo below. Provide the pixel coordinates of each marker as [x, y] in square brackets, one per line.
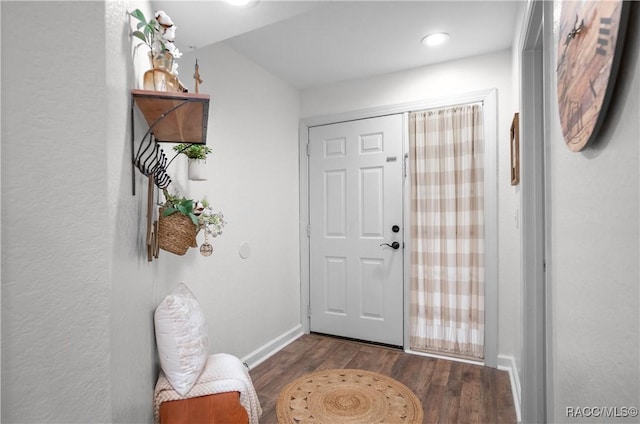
[152, 162]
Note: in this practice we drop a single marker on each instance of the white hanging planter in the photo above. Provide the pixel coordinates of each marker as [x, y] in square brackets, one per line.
[197, 169]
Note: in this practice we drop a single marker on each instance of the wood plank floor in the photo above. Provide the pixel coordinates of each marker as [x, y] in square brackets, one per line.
[451, 392]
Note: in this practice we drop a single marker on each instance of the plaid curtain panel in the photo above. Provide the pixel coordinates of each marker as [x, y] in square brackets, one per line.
[447, 230]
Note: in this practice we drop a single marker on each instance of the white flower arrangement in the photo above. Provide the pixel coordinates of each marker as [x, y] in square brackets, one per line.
[158, 34]
[208, 220]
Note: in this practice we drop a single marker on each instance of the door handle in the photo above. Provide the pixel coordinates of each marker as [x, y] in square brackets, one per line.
[394, 245]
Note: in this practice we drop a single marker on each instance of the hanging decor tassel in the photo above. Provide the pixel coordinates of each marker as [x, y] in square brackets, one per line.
[196, 76]
[206, 249]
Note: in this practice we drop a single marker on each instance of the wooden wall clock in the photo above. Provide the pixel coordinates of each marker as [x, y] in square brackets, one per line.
[590, 40]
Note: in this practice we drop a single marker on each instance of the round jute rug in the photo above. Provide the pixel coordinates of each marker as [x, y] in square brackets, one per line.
[347, 396]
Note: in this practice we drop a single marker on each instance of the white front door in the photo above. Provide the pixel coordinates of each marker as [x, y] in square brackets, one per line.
[355, 215]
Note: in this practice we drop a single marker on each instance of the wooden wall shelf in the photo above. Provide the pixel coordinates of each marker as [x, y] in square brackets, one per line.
[174, 117]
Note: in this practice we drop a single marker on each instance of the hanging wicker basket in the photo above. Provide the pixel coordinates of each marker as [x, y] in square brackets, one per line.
[176, 233]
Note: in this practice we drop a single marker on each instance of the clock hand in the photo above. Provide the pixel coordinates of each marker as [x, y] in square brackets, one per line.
[593, 90]
[563, 57]
[575, 31]
[561, 61]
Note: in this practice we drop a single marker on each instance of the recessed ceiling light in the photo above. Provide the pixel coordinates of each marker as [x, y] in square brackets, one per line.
[242, 3]
[435, 39]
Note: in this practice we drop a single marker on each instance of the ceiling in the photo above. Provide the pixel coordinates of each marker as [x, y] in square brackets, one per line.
[311, 43]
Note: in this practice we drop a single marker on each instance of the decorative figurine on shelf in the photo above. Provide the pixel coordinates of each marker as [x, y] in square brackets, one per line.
[196, 76]
[159, 35]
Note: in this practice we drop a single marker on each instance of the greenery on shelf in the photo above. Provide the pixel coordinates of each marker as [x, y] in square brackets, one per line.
[184, 206]
[193, 151]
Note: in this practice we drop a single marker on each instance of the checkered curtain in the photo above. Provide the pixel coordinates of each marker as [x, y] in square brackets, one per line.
[447, 230]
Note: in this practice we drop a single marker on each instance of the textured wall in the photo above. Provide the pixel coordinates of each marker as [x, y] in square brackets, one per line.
[55, 238]
[437, 82]
[77, 291]
[594, 214]
[133, 281]
[77, 340]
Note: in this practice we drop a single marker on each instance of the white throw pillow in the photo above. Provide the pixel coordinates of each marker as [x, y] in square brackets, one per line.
[181, 335]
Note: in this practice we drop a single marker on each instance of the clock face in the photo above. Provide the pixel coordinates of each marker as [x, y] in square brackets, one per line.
[590, 39]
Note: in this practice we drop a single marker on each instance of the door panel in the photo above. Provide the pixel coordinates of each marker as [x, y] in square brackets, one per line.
[355, 175]
[336, 199]
[371, 204]
[335, 282]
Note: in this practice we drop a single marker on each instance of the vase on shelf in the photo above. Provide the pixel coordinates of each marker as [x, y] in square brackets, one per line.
[197, 169]
[161, 60]
[160, 77]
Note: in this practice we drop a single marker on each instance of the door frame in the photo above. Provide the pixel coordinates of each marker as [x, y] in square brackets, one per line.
[489, 99]
[535, 398]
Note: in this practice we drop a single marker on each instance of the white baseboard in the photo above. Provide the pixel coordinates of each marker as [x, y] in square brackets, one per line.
[445, 357]
[508, 363]
[272, 347]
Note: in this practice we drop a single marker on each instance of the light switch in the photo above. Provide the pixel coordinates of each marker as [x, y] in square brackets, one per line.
[245, 250]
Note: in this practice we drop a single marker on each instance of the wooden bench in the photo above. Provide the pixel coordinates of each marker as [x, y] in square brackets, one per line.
[221, 408]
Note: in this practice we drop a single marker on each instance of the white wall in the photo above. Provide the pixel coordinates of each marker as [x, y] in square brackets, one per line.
[55, 224]
[513, 192]
[78, 294]
[438, 82]
[594, 214]
[0, 214]
[253, 180]
[134, 282]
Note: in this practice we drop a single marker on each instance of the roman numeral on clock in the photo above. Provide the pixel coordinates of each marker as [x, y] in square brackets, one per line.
[603, 36]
